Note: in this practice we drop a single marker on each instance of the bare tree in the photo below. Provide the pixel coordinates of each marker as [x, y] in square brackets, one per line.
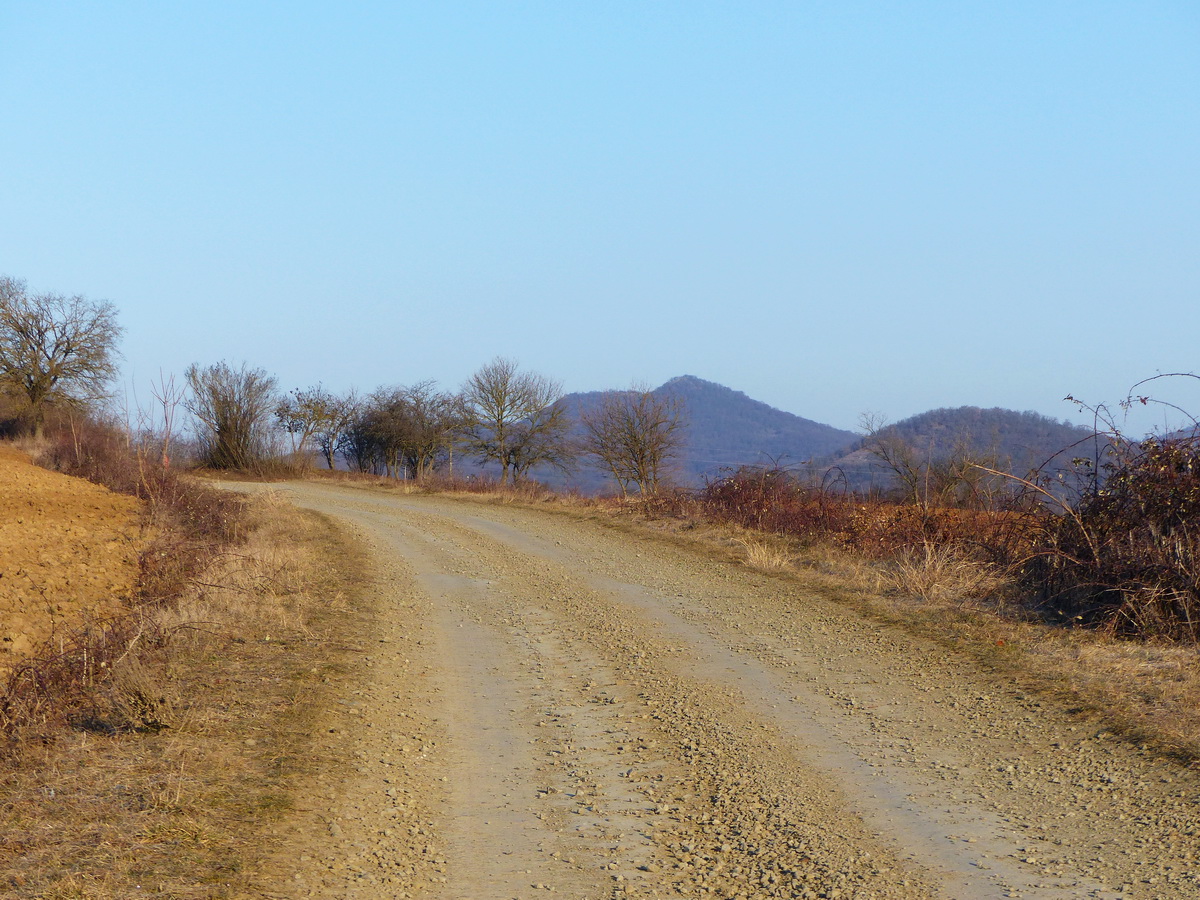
[233, 408]
[54, 349]
[432, 416]
[957, 477]
[168, 395]
[404, 429]
[315, 415]
[331, 430]
[633, 434]
[358, 443]
[381, 433]
[516, 419]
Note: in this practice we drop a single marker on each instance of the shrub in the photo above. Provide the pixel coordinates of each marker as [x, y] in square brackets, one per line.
[234, 408]
[775, 501]
[1129, 555]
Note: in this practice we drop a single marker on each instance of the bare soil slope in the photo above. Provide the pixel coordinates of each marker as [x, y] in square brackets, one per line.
[68, 550]
[552, 707]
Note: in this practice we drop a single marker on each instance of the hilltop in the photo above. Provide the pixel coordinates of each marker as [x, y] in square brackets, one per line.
[727, 429]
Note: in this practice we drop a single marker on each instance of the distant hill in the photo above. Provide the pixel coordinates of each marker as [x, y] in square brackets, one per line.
[727, 429]
[1019, 441]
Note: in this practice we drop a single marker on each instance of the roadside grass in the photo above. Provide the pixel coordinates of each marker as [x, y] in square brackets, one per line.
[1147, 691]
[228, 695]
[940, 573]
[765, 554]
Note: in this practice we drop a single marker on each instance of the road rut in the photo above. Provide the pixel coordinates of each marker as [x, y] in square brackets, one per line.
[552, 707]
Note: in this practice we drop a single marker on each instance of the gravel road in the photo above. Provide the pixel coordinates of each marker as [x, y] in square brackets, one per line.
[555, 707]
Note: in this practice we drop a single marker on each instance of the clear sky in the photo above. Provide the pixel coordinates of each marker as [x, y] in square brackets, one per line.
[836, 207]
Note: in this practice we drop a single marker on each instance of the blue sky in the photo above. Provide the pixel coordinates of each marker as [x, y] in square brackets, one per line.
[835, 207]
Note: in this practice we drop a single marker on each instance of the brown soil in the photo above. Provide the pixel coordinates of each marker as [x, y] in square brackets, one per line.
[68, 552]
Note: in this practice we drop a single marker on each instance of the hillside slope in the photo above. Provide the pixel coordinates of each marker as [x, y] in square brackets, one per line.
[68, 552]
[1016, 442]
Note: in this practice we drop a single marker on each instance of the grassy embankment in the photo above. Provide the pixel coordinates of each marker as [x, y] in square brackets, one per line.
[153, 751]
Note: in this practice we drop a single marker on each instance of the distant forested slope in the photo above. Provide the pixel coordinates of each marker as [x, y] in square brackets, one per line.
[1017, 442]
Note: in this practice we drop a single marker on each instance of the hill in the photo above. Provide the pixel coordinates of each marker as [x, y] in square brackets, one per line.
[727, 429]
[1018, 442]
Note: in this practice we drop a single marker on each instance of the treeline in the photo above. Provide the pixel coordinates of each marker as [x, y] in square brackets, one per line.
[58, 355]
[503, 417]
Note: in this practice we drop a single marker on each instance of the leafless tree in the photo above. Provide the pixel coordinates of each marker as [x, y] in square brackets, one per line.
[433, 417]
[168, 395]
[404, 429]
[516, 419]
[958, 477]
[315, 416]
[233, 408]
[380, 433]
[331, 431]
[633, 434]
[54, 349]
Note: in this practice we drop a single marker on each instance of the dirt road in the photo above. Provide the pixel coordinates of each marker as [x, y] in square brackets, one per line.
[556, 708]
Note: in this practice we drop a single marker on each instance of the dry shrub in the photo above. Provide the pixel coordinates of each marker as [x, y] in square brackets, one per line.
[189, 522]
[81, 679]
[1127, 556]
[776, 502]
[672, 503]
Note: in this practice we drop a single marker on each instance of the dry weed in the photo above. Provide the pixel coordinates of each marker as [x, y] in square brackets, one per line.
[939, 573]
[261, 588]
[765, 556]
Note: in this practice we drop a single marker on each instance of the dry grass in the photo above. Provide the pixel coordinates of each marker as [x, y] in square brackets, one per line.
[767, 556]
[940, 573]
[1150, 692]
[185, 809]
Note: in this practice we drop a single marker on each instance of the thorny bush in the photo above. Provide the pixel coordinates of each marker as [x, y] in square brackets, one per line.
[1129, 557]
